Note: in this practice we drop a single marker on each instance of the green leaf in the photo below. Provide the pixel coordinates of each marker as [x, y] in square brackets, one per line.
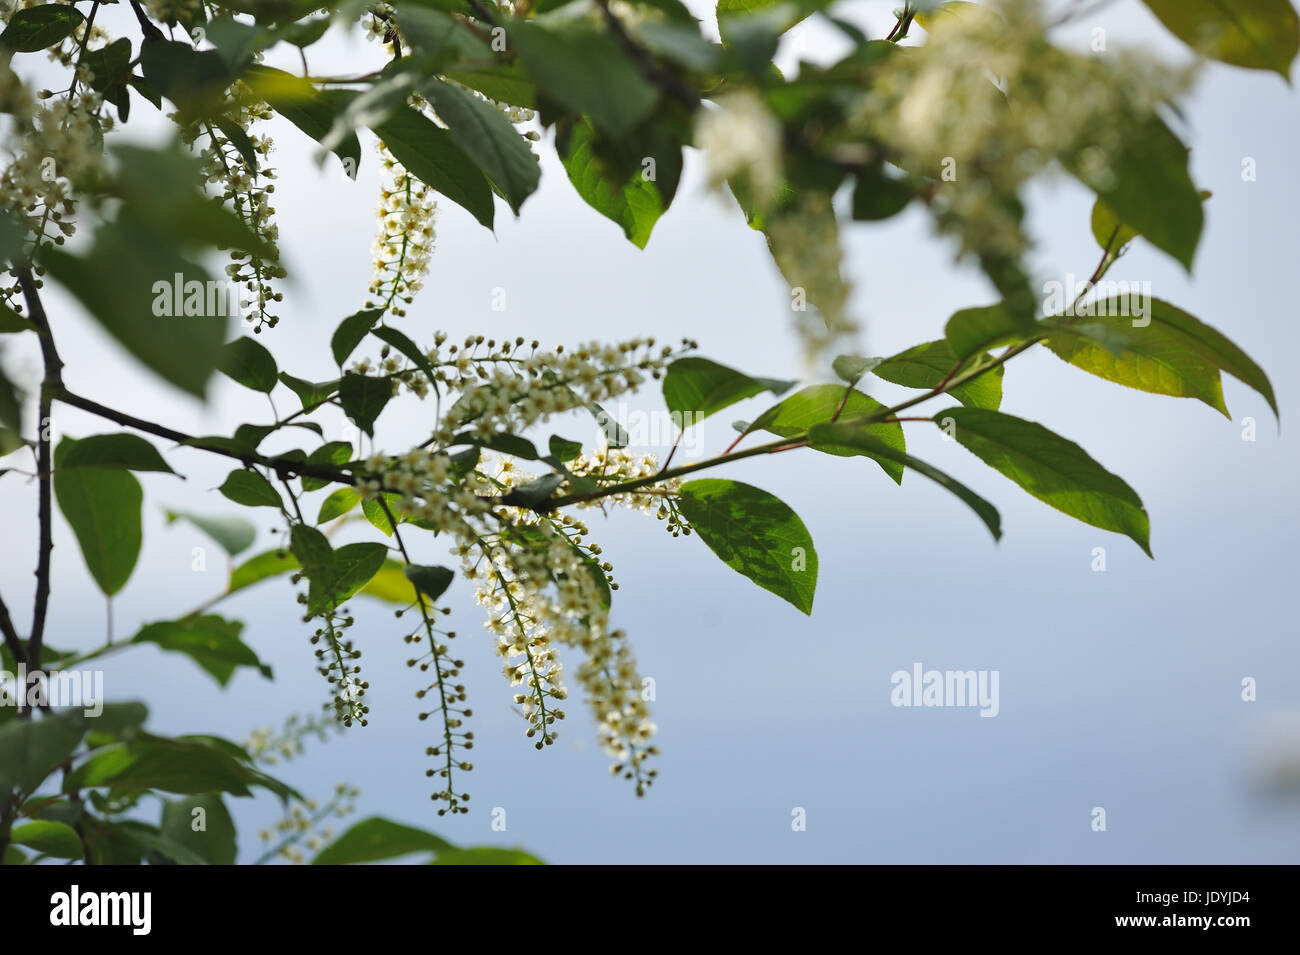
[210, 641]
[485, 855]
[1111, 234]
[32, 749]
[487, 137]
[565, 58]
[701, 387]
[117, 452]
[1052, 469]
[635, 205]
[851, 435]
[851, 368]
[563, 449]
[432, 582]
[1148, 188]
[248, 363]
[431, 155]
[157, 845]
[337, 504]
[376, 515]
[214, 842]
[312, 394]
[817, 405]
[232, 533]
[11, 321]
[1166, 351]
[877, 196]
[376, 839]
[1257, 34]
[186, 766]
[13, 856]
[348, 570]
[755, 534]
[973, 331]
[363, 398]
[311, 110]
[55, 839]
[926, 366]
[350, 332]
[403, 344]
[116, 281]
[271, 563]
[103, 508]
[250, 489]
[38, 28]
[333, 454]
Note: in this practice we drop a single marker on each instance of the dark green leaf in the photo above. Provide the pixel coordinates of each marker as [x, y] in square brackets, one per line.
[430, 154]
[210, 641]
[250, 489]
[248, 363]
[432, 582]
[311, 110]
[700, 387]
[564, 58]
[103, 508]
[348, 570]
[363, 398]
[38, 28]
[118, 452]
[487, 137]
[403, 344]
[350, 332]
[312, 394]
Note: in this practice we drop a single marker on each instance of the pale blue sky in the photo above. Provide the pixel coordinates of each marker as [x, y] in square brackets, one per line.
[1119, 690]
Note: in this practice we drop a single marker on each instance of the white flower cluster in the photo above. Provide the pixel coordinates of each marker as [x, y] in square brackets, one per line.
[548, 593]
[514, 398]
[407, 211]
[741, 139]
[49, 148]
[988, 102]
[248, 189]
[618, 465]
[805, 243]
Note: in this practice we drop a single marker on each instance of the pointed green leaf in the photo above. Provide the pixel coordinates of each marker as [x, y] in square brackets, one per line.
[926, 366]
[817, 405]
[699, 387]
[248, 363]
[755, 534]
[250, 489]
[118, 452]
[1052, 469]
[103, 508]
[1257, 34]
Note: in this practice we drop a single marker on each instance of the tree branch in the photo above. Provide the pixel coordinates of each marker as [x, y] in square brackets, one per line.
[50, 385]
